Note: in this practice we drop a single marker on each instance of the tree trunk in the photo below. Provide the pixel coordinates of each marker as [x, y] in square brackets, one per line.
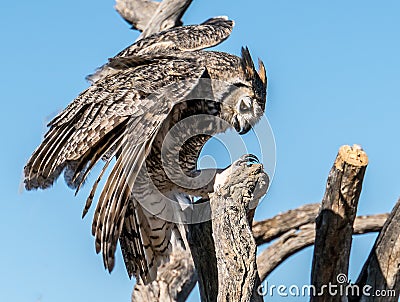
[380, 276]
[235, 247]
[175, 280]
[334, 224]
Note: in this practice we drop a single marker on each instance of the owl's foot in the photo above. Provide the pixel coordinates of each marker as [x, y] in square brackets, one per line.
[247, 159]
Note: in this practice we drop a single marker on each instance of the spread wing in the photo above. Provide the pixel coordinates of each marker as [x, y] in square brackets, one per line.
[120, 114]
[184, 38]
[103, 112]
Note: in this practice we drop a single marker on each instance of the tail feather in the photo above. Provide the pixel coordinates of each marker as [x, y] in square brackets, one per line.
[146, 238]
[132, 246]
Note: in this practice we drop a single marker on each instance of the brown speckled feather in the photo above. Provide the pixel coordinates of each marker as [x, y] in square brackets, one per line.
[125, 114]
[177, 39]
[129, 119]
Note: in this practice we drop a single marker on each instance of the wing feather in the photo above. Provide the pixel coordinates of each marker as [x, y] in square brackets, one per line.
[121, 114]
[71, 135]
[177, 39]
[184, 38]
[117, 191]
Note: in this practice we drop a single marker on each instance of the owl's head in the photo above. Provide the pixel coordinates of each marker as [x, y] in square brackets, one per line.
[245, 104]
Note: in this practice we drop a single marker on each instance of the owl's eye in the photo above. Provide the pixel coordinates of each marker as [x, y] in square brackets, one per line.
[245, 105]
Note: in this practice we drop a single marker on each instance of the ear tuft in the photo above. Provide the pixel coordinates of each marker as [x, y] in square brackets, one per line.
[262, 72]
[248, 65]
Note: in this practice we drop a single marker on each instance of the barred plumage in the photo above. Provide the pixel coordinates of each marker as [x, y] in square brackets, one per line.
[134, 102]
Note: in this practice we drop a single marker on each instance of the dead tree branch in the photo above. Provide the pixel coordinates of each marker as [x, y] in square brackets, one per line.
[382, 269]
[235, 195]
[168, 15]
[334, 224]
[137, 12]
[298, 238]
[150, 17]
[201, 244]
[175, 280]
[270, 229]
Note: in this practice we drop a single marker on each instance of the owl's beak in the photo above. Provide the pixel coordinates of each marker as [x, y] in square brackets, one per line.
[241, 128]
[236, 124]
[245, 128]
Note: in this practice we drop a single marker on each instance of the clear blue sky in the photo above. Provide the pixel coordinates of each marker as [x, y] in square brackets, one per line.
[334, 78]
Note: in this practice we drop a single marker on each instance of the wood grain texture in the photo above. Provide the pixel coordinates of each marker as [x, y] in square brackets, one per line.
[298, 238]
[151, 17]
[137, 12]
[167, 15]
[334, 224]
[175, 280]
[201, 243]
[235, 247]
[382, 269]
[269, 229]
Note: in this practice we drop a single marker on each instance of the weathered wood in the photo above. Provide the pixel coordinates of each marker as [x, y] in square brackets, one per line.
[202, 247]
[334, 224]
[138, 13]
[150, 17]
[298, 238]
[269, 229]
[168, 15]
[175, 280]
[382, 269]
[236, 191]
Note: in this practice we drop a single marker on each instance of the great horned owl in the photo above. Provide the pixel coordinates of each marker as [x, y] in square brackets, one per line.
[126, 114]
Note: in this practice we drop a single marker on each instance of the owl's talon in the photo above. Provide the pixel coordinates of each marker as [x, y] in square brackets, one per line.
[248, 159]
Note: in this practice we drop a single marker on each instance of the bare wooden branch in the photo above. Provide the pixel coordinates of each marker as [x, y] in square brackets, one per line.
[175, 280]
[269, 229]
[382, 269]
[234, 195]
[138, 13]
[150, 17]
[168, 15]
[202, 246]
[299, 238]
[369, 223]
[334, 224]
